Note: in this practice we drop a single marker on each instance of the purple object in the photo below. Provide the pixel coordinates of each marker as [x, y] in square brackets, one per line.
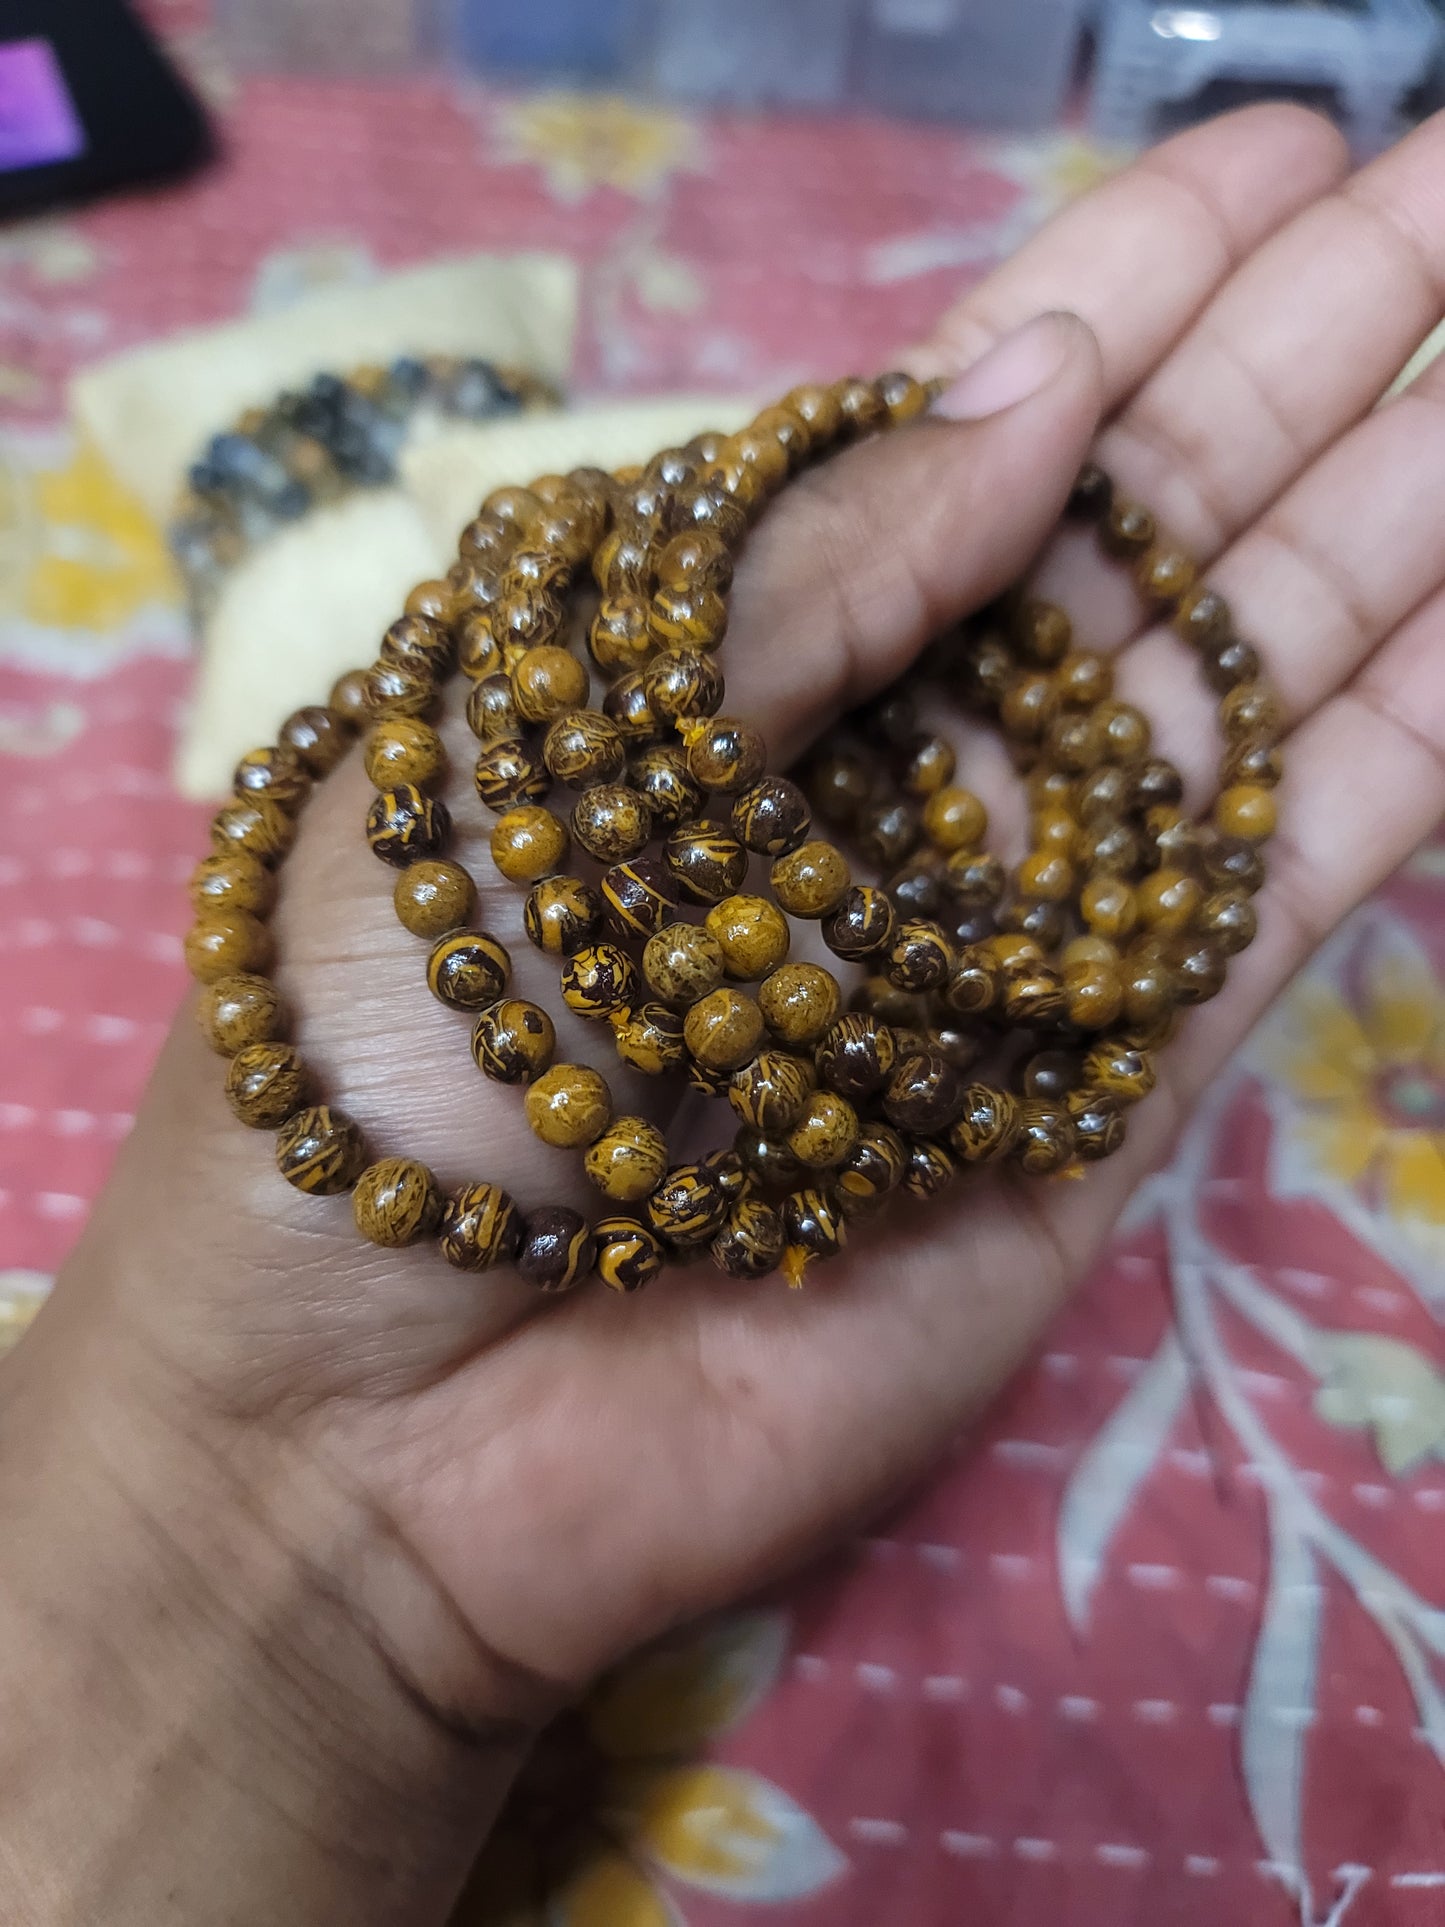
[38, 121]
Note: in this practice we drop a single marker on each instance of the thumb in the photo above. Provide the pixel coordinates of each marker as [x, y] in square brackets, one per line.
[869, 556]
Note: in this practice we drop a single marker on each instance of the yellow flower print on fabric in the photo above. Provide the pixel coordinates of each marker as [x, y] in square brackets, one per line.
[614, 1811]
[1371, 1081]
[586, 141]
[1390, 1388]
[97, 557]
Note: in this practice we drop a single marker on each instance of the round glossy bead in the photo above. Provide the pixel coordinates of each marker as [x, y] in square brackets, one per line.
[620, 637]
[225, 942]
[683, 963]
[557, 1249]
[1252, 760]
[265, 1083]
[399, 689]
[277, 773]
[920, 957]
[1157, 782]
[433, 897]
[628, 1161]
[1245, 810]
[724, 1029]
[1168, 901]
[599, 979]
[811, 880]
[611, 822]
[561, 914]
[799, 1001]
[772, 818]
[491, 711]
[584, 747]
[931, 1169]
[875, 1166]
[954, 819]
[923, 1094]
[649, 1039]
[766, 1161]
[825, 1133]
[860, 925]
[396, 1202]
[1231, 862]
[421, 641]
[507, 774]
[481, 1227]
[626, 1255]
[840, 784]
[857, 1056]
[916, 889]
[626, 705]
[1046, 1137]
[1228, 919]
[771, 1093]
[240, 1010]
[886, 833]
[928, 767]
[528, 843]
[638, 896]
[708, 862]
[1119, 1071]
[750, 1243]
[753, 934]
[688, 1208]
[403, 750]
[528, 619]
[681, 685]
[514, 1041]
[1093, 995]
[987, 1126]
[659, 775]
[813, 1227]
[1109, 907]
[403, 824]
[320, 1151]
[467, 970]
[478, 653]
[254, 825]
[1199, 970]
[1203, 616]
[1098, 1124]
[569, 1106]
[695, 560]
[546, 682]
[1128, 530]
[727, 1167]
[974, 880]
[319, 737]
[349, 699]
[724, 754]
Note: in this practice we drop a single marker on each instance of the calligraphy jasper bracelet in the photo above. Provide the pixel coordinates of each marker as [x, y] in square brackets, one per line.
[995, 1018]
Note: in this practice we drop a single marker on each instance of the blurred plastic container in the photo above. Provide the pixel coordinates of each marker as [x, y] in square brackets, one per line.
[748, 53]
[1368, 55]
[993, 63]
[328, 36]
[562, 40]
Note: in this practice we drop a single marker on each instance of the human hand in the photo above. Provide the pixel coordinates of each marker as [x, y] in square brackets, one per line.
[504, 1495]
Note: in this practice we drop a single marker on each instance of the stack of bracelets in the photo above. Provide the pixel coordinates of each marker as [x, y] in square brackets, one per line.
[997, 1020]
[338, 434]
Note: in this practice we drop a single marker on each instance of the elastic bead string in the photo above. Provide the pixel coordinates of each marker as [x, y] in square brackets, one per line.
[997, 1017]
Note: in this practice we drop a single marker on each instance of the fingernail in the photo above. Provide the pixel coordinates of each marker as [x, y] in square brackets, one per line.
[1012, 370]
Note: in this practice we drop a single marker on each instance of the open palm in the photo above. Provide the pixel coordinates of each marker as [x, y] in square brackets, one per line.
[564, 1479]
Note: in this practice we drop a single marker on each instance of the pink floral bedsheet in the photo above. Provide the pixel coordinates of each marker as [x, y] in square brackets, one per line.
[1166, 1641]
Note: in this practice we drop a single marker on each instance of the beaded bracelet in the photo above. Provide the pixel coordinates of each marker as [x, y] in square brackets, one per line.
[1001, 1020]
[339, 434]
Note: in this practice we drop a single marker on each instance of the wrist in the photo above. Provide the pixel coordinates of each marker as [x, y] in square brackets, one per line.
[201, 1717]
